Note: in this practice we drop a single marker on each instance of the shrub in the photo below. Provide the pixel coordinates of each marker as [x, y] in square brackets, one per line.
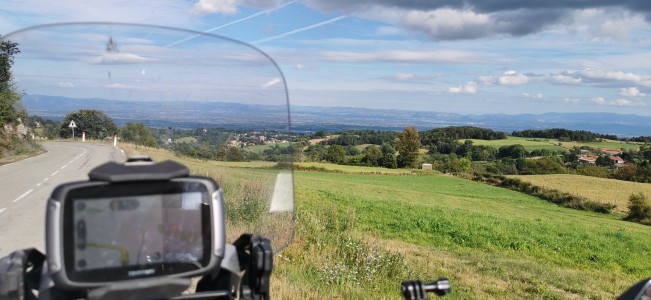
[639, 209]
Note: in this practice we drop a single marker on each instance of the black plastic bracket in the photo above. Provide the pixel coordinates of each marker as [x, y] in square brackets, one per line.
[20, 274]
[256, 258]
[417, 290]
[148, 171]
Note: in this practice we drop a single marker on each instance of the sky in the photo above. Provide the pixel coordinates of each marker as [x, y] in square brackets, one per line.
[467, 57]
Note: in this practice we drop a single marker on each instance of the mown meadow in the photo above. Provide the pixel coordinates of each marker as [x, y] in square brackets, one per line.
[358, 235]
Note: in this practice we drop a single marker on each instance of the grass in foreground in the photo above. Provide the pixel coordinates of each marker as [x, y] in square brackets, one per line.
[491, 242]
[600, 190]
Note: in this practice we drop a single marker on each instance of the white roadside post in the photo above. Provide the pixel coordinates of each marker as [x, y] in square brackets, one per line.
[72, 125]
[115, 140]
[83, 136]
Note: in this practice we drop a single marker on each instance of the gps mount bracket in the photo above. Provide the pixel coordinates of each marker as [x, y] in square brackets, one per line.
[138, 168]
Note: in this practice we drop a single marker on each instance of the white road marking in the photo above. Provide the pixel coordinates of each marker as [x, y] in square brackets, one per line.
[23, 195]
[64, 166]
[2, 209]
[39, 184]
[46, 179]
[55, 172]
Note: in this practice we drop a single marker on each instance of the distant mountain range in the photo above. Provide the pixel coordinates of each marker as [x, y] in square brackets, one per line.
[195, 114]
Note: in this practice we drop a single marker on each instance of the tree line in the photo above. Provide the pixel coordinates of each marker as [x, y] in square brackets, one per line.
[564, 135]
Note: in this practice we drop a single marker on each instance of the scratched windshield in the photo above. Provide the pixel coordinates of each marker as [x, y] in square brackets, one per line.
[103, 92]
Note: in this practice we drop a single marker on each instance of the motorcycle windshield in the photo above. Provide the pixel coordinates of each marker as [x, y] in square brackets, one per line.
[215, 104]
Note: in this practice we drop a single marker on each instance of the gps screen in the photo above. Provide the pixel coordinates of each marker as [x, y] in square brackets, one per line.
[137, 230]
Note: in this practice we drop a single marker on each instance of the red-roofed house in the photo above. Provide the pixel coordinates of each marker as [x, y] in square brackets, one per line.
[588, 159]
[617, 159]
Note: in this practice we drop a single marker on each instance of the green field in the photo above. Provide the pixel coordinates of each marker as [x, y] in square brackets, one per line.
[491, 242]
[528, 143]
[552, 144]
[260, 148]
[359, 235]
[601, 190]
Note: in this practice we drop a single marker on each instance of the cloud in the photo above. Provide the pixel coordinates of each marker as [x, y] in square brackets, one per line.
[618, 102]
[404, 56]
[471, 19]
[487, 79]
[569, 100]
[404, 76]
[601, 76]
[469, 88]
[299, 66]
[567, 79]
[226, 7]
[599, 100]
[533, 96]
[631, 92]
[513, 78]
[111, 58]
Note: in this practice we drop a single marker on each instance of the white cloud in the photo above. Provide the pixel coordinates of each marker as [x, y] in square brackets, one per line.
[404, 76]
[626, 102]
[110, 58]
[487, 79]
[631, 92]
[446, 23]
[66, 84]
[469, 88]
[533, 96]
[299, 66]
[618, 102]
[599, 100]
[564, 79]
[226, 7]
[513, 78]
[569, 100]
[404, 56]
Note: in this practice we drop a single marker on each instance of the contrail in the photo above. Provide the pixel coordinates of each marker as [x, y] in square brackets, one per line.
[326, 22]
[229, 24]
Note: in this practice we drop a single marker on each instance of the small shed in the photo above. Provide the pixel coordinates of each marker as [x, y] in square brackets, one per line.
[427, 166]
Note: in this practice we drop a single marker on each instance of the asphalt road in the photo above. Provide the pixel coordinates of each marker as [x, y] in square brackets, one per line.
[26, 185]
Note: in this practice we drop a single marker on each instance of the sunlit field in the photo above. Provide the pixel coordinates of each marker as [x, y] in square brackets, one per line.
[600, 190]
[359, 235]
[553, 144]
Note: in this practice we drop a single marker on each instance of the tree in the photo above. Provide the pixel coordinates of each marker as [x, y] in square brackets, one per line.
[513, 151]
[373, 156]
[408, 147]
[639, 208]
[139, 134]
[11, 108]
[94, 122]
[336, 154]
